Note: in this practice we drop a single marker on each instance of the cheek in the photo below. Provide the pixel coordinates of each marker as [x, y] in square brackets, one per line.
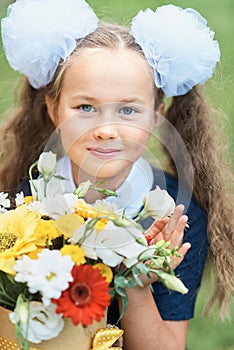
[137, 136]
[72, 132]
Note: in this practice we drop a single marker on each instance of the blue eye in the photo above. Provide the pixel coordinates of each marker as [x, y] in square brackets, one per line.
[86, 108]
[127, 110]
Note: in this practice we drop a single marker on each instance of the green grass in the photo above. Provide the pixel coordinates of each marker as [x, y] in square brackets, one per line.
[204, 333]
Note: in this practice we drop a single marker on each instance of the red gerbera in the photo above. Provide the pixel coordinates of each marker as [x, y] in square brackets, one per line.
[86, 298]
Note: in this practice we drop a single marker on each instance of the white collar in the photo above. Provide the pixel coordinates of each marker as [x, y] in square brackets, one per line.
[130, 194]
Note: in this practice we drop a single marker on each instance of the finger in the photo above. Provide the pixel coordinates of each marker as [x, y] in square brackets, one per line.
[178, 234]
[176, 261]
[157, 226]
[184, 248]
[178, 212]
[175, 238]
[155, 229]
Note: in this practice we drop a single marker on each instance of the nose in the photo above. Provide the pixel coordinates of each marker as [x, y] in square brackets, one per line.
[107, 129]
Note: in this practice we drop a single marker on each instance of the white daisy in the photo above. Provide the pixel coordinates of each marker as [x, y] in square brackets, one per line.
[19, 198]
[4, 202]
[39, 206]
[50, 274]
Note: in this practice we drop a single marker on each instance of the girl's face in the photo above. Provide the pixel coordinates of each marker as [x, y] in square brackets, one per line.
[105, 113]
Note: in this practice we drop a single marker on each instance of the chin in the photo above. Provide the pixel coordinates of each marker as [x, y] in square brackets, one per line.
[110, 171]
[105, 173]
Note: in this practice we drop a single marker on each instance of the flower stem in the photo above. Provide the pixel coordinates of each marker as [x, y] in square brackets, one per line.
[45, 186]
[31, 177]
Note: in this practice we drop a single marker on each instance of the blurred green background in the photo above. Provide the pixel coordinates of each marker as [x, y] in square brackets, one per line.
[204, 333]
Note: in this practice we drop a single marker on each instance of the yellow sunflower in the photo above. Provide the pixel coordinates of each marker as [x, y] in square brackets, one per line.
[46, 230]
[17, 236]
[19, 222]
[28, 199]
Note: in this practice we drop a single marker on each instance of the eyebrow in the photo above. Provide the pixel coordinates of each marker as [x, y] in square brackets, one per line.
[132, 99]
[135, 99]
[83, 97]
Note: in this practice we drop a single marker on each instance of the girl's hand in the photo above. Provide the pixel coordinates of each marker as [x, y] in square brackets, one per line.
[170, 229]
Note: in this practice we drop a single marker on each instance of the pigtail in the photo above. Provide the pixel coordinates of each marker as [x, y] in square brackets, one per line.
[23, 137]
[191, 116]
[25, 134]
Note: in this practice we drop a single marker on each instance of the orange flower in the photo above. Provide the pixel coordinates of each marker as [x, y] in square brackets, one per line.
[87, 297]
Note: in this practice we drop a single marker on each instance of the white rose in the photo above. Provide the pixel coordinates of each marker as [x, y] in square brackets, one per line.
[43, 324]
[157, 204]
[47, 165]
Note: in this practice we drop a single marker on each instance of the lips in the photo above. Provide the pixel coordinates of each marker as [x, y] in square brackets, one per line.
[104, 153]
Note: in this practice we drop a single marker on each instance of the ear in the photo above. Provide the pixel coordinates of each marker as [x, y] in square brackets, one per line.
[51, 110]
[159, 113]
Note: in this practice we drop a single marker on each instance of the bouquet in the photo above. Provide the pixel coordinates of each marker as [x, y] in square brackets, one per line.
[61, 257]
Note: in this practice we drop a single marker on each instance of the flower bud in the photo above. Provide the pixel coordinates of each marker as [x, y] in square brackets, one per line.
[172, 282]
[123, 221]
[47, 165]
[83, 188]
[22, 310]
[107, 192]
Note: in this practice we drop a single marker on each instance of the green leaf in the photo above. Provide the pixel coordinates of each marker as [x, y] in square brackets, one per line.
[131, 283]
[124, 307]
[143, 268]
[9, 290]
[120, 291]
[136, 273]
[59, 177]
[121, 281]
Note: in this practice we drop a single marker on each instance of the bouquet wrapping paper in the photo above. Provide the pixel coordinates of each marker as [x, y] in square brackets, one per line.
[70, 338]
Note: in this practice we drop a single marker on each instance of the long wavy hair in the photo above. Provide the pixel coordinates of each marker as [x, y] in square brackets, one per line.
[26, 132]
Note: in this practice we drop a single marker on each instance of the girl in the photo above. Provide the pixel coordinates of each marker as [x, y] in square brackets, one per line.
[101, 87]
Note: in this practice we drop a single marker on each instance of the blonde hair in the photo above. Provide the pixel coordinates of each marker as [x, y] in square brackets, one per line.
[189, 114]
